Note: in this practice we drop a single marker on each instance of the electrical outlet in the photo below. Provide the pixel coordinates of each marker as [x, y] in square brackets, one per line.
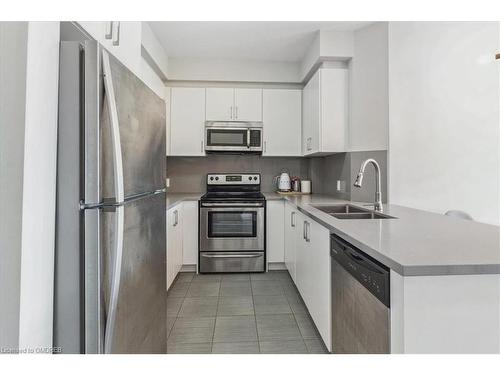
[340, 185]
[167, 182]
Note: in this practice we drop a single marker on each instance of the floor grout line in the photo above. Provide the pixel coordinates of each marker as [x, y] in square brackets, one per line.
[282, 283]
[216, 312]
[255, 315]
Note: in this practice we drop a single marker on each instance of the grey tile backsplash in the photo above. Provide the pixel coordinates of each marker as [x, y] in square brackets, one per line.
[325, 171]
[187, 174]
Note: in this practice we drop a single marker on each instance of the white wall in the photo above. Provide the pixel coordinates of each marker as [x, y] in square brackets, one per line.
[444, 117]
[327, 46]
[369, 117]
[39, 186]
[154, 49]
[151, 79]
[191, 69]
[13, 39]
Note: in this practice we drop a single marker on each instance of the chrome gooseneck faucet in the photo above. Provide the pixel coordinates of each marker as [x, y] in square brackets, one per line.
[359, 182]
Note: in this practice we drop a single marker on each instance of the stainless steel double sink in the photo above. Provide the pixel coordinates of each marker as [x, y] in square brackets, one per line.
[350, 212]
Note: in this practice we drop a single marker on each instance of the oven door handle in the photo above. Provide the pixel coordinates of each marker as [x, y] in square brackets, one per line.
[231, 255]
[232, 205]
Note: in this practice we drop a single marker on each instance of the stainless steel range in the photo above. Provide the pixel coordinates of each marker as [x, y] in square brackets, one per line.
[232, 224]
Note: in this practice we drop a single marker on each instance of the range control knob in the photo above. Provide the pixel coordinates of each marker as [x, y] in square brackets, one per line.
[216, 178]
[250, 177]
[211, 178]
[255, 178]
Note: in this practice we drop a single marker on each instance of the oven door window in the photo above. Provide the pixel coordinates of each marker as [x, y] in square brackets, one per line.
[227, 137]
[232, 224]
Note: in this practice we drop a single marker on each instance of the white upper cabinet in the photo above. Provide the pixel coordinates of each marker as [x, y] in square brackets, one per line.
[220, 104]
[311, 118]
[187, 121]
[121, 38]
[228, 104]
[247, 104]
[325, 112]
[282, 116]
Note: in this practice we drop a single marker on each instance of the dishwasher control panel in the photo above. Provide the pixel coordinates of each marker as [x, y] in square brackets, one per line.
[372, 274]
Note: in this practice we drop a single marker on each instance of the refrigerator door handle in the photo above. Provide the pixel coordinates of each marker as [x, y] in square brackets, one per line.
[115, 281]
[119, 196]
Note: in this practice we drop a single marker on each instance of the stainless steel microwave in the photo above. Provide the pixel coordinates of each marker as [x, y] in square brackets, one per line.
[233, 137]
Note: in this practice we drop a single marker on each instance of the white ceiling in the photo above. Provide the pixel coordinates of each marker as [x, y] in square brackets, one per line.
[265, 41]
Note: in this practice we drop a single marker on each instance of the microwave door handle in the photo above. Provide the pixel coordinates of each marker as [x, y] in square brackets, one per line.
[248, 138]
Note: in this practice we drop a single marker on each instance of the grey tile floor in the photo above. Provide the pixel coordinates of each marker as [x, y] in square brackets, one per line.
[239, 313]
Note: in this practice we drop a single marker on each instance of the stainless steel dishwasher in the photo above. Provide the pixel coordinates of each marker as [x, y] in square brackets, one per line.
[360, 301]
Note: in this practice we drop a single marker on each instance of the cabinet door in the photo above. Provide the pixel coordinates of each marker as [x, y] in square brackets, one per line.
[311, 116]
[174, 244]
[190, 233]
[300, 255]
[220, 104]
[248, 105]
[318, 279]
[121, 38]
[291, 225]
[334, 110]
[275, 232]
[282, 117]
[170, 247]
[187, 120]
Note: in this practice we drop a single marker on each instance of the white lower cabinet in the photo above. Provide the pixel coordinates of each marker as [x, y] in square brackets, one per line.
[291, 238]
[275, 244]
[190, 233]
[312, 268]
[174, 243]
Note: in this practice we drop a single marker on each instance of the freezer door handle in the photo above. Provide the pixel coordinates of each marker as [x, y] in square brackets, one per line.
[115, 129]
[119, 197]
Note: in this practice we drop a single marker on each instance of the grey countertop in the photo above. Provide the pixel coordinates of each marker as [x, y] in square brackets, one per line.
[416, 243]
[173, 199]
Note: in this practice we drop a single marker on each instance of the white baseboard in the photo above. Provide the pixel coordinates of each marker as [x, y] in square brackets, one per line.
[188, 268]
[276, 266]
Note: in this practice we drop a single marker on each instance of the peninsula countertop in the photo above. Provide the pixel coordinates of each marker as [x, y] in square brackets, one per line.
[416, 242]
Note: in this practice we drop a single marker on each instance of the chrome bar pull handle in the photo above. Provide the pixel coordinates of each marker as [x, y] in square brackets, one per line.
[292, 219]
[116, 40]
[176, 218]
[108, 33]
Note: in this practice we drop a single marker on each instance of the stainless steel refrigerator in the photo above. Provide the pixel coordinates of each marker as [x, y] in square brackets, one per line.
[110, 288]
